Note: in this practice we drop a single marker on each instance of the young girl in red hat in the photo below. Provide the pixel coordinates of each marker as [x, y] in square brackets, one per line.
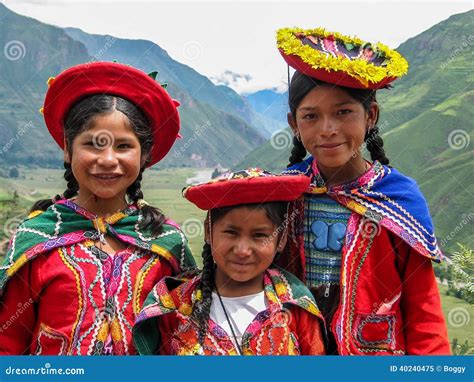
[363, 240]
[240, 303]
[79, 268]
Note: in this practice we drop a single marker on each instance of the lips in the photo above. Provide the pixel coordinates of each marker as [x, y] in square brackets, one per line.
[330, 145]
[107, 176]
[241, 264]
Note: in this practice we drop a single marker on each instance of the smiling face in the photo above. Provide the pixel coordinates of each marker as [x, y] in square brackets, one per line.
[332, 126]
[244, 244]
[105, 160]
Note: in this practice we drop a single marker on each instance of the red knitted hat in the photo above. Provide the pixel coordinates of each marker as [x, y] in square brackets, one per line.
[80, 81]
[246, 187]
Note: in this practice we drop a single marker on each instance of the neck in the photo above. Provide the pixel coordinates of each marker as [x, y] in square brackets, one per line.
[231, 288]
[101, 207]
[348, 172]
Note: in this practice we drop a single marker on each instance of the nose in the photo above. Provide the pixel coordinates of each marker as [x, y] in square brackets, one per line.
[243, 248]
[107, 157]
[328, 126]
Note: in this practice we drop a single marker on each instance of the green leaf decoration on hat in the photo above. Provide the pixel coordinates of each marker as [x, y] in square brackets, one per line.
[153, 74]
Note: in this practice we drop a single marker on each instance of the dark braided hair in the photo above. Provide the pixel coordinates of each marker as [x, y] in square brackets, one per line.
[202, 309]
[276, 212]
[301, 85]
[79, 119]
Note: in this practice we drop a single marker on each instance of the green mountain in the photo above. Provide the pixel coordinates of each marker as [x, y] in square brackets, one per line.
[148, 56]
[218, 126]
[427, 126]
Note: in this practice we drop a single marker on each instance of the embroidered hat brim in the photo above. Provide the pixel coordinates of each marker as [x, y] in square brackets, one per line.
[251, 186]
[81, 81]
[340, 60]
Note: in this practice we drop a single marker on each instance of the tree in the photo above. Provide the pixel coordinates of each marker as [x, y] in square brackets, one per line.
[14, 173]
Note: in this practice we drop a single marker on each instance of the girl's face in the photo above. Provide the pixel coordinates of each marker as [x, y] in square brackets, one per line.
[332, 126]
[105, 159]
[244, 244]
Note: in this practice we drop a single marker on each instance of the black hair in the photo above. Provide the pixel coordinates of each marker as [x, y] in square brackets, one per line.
[79, 119]
[301, 85]
[276, 212]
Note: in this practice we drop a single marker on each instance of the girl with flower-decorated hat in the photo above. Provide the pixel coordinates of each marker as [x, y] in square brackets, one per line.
[79, 268]
[241, 303]
[363, 239]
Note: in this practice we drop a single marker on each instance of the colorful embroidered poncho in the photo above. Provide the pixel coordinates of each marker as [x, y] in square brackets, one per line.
[389, 300]
[289, 326]
[76, 299]
[385, 197]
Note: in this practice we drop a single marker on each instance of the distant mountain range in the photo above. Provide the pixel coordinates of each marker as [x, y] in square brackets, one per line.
[426, 122]
[218, 125]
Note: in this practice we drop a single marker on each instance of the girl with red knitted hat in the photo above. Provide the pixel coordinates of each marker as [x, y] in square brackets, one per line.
[81, 265]
[241, 304]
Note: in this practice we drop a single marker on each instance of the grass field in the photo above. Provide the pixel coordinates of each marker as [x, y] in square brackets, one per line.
[459, 317]
[163, 189]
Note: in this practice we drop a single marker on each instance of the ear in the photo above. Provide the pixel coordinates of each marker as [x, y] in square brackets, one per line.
[292, 123]
[282, 241]
[67, 155]
[373, 114]
[207, 237]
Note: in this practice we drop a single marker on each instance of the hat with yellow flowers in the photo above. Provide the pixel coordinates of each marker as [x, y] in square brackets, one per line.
[341, 60]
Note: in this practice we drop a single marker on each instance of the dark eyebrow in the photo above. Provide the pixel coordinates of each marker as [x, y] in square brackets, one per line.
[345, 103]
[305, 108]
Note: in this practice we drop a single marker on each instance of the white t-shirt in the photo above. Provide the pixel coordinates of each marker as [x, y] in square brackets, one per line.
[241, 311]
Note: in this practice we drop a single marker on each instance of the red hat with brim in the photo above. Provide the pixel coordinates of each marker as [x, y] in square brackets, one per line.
[339, 78]
[251, 186]
[340, 60]
[81, 81]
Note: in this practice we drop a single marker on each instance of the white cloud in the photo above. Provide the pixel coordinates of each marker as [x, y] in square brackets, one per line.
[213, 37]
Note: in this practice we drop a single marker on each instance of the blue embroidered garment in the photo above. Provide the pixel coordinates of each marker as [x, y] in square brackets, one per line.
[325, 225]
[385, 196]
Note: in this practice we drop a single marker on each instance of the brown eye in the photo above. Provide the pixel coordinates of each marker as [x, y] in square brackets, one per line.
[344, 111]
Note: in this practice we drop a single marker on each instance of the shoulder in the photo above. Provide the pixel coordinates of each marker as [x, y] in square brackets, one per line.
[292, 292]
[301, 168]
[170, 294]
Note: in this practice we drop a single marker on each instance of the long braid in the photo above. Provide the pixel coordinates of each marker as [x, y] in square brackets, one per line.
[298, 152]
[374, 143]
[71, 190]
[202, 309]
[153, 218]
